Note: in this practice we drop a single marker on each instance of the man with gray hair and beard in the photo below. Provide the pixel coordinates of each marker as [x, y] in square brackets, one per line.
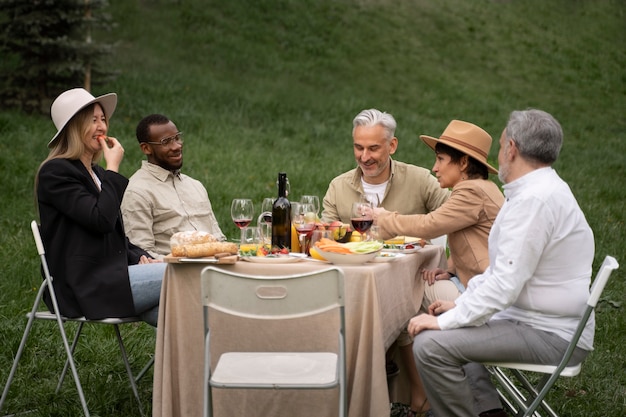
[525, 307]
[401, 187]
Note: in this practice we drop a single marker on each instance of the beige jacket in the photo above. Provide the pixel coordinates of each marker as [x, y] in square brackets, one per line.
[466, 217]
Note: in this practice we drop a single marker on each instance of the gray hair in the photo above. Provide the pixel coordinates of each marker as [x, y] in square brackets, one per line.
[373, 117]
[537, 135]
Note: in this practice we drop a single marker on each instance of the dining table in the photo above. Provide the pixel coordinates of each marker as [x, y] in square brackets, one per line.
[380, 298]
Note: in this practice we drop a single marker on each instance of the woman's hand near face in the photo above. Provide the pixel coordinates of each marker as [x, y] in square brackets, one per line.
[113, 152]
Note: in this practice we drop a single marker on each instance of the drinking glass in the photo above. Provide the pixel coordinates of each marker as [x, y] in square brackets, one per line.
[303, 220]
[361, 217]
[241, 211]
[372, 198]
[265, 219]
[251, 240]
[314, 200]
[266, 207]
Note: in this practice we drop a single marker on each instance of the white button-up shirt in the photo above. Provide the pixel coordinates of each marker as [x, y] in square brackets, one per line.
[541, 251]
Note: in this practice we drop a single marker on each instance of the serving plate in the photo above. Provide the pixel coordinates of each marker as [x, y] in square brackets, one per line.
[401, 248]
[386, 256]
[348, 258]
[230, 259]
[273, 259]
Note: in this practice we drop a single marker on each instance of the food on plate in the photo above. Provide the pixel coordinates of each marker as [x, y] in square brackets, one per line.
[329, 245]
[315, 254]
[407, 243]
[367, 246]
[264, 250]
[398, 240]
[199, 244]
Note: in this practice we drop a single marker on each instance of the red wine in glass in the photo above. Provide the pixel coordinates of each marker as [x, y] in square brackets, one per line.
[306, 228]
[242, 223]
[362, 225]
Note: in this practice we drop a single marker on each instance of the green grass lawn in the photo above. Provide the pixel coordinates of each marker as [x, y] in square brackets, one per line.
[272, 85]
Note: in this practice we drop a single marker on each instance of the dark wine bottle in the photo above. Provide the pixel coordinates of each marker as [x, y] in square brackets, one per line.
[281, 216]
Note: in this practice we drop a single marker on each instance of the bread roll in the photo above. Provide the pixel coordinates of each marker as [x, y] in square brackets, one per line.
[198, 244]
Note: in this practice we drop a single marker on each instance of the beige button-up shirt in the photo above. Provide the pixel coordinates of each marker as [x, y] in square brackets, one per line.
[158, 203]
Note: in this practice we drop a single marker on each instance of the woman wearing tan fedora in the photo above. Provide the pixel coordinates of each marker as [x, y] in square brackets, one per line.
[97, 272]
[466, 218]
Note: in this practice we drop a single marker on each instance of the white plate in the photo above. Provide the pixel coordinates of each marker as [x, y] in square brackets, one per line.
[386, 256]
[348, 258]
[413, 250]
[273, 259]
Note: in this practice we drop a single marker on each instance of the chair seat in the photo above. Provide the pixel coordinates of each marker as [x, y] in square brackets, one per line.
[46, 315]
[276, 370]
[568, 371]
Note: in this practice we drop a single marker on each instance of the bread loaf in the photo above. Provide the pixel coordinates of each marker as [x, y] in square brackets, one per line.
[198, 244]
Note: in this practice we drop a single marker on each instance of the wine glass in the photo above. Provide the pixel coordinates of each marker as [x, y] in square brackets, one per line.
[372, 198]
[303, 220]
[241, 211]
[314, 200]
[361, 217]
[266, 218]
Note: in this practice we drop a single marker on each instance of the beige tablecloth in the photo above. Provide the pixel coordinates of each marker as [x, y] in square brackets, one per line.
[380, 298]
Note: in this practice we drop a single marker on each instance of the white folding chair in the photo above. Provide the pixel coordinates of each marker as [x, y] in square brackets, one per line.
[523, 398]
[269, 299]
[36, 314]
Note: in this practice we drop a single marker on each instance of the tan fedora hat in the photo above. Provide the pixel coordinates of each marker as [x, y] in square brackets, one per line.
[70, 102]
[467, 138]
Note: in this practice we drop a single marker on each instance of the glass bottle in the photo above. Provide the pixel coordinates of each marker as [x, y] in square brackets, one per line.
[281, 216]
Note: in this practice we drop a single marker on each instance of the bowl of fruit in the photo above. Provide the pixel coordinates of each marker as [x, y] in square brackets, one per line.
[341, 232]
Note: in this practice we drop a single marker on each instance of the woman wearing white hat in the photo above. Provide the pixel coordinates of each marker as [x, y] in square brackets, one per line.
[81, 225]
[466, 218]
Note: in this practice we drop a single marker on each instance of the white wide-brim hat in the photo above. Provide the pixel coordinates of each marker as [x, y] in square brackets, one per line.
[467, 138]
[72, 101]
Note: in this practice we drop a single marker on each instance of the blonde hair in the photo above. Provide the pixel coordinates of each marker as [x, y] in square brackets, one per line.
[69, 143]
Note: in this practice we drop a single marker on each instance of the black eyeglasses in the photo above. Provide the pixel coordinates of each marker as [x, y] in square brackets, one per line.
[177, 138]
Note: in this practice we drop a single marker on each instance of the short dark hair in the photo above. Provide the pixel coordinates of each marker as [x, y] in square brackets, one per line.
[474, 168]
[143, 127]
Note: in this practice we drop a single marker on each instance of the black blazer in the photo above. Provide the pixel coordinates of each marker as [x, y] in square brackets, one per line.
[87, 250]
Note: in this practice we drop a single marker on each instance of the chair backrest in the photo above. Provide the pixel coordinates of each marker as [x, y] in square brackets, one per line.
[47, 283]
[608, 265]
[275, 297]
[298, 312]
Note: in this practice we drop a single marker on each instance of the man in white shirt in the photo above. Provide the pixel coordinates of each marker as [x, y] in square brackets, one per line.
[159, 200]
[526, 305]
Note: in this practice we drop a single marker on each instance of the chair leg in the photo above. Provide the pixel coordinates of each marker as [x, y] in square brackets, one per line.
[67, 361]
[16, 361]
[70, 359]
[131, 378]
[145, 369]
[526, 404]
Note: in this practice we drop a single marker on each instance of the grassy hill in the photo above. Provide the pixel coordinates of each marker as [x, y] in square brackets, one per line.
[271, 85]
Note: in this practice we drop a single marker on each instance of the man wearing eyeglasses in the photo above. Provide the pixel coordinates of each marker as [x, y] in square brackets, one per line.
[159, 200]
